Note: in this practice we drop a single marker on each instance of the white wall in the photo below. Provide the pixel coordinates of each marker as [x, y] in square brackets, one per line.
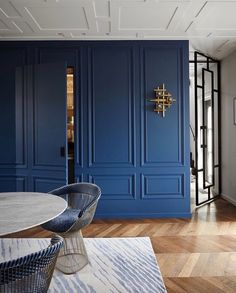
[228, 130]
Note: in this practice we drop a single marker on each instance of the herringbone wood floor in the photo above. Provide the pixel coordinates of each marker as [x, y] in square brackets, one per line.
[196, 255]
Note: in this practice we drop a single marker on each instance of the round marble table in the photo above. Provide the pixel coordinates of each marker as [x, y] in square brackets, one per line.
[23, 210]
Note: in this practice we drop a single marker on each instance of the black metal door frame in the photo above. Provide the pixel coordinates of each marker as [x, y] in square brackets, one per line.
[200, 58]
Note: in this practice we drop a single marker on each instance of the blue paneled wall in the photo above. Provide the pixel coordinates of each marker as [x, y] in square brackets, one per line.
[139, 159]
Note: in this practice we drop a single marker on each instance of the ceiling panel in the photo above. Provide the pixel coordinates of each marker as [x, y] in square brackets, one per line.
[159, 16]
[217, 16]
[209, 25]
[9, 9]
[50, 18]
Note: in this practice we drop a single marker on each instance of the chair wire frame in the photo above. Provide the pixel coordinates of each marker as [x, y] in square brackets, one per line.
[31, 273]
[84, 197]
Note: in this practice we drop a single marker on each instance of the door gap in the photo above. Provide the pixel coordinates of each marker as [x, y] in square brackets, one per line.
[70, 123]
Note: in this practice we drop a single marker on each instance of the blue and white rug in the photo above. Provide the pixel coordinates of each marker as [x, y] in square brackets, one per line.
[117, 265]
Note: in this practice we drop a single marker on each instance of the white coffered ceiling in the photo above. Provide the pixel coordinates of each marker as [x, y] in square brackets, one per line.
[209, 25]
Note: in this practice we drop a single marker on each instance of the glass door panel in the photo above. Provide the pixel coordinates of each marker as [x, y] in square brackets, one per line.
[207, 122]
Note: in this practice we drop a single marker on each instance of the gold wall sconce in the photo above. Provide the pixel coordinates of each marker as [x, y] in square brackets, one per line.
[163, 99]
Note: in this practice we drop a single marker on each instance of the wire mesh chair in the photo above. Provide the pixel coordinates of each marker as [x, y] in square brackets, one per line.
[31, 273]
[82, 203]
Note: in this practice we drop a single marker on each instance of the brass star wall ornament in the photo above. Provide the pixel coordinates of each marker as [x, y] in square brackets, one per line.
[163, 99]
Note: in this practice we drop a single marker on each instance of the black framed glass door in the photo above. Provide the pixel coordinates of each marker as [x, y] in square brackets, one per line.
[207, 128]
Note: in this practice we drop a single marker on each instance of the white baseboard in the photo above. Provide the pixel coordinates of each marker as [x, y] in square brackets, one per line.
[229, 199]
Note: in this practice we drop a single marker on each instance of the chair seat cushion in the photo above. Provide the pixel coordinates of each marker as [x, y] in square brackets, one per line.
[63, 222]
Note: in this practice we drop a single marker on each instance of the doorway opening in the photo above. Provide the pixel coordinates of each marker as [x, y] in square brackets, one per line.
[70, 124]
[205, 128]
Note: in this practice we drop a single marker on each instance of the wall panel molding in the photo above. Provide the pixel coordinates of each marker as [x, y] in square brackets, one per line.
[21, 112]
[115, 187]
[46, 184]
[13, 139]
[12, 183]
[79, 106]
[92, 159]
[147, 107]
[164, 186]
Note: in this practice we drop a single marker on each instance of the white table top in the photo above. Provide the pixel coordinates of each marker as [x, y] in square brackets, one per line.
[23, 210]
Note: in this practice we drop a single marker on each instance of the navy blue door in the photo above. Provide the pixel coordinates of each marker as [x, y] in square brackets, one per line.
[46, 162]
[49, 127]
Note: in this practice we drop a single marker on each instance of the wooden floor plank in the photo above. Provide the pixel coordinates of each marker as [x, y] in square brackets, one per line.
[197, 264]
[200, 285]
[196, 255]
[200, 243]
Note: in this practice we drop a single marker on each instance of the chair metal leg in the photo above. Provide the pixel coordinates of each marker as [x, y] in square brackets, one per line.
[73, 256]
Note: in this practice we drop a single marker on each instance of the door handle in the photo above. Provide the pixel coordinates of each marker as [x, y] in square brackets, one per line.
[62, 151]
[202, 137]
